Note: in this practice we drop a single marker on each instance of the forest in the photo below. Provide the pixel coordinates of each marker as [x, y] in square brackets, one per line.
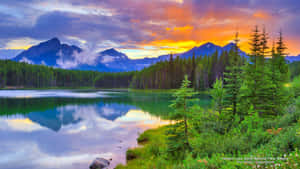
[23, 75]
[201, 70]
[253, 121]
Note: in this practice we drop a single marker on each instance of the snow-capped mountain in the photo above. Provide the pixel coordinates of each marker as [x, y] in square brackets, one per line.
[54, 53]
[47, 53]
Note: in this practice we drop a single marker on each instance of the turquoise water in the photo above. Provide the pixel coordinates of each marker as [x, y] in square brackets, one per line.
[55, 129]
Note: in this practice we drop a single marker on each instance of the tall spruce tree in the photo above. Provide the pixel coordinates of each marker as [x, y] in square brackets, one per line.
[250, 75]
[264, 43]
[232, 77]
[193, 70]
[178, 135]
[279, 75]
[171, 72]
[218, 94]
[257, 83]
[265, 90]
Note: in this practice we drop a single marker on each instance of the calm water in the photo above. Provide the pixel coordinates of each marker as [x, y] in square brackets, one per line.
[67, 129]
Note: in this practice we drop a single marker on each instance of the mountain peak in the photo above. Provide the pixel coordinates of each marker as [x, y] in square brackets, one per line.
[47, 52]
[112, 52]
[208, 45]
[229, 46]
[53, 40]
[112, 49]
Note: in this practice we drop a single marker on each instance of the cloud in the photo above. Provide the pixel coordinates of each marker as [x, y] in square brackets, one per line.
[26, 60]
[136, 23]
[88, 56]
[107, 59]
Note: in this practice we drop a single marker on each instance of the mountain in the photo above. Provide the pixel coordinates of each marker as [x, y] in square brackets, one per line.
[54, 53]
[47, 53]
[293, 58]
[206, 49]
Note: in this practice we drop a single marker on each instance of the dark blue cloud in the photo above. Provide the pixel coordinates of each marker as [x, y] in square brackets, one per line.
[120, 29]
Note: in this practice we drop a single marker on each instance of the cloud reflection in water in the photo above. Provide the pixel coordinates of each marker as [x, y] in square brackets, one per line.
[72, 135]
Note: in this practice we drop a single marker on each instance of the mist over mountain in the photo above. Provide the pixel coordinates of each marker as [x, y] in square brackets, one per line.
[47, 53]
[56, 54]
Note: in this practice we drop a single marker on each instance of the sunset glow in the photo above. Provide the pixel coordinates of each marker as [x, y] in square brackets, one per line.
[146, 28]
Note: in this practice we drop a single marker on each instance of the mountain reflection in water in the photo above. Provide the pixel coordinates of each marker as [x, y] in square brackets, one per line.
[70, 132]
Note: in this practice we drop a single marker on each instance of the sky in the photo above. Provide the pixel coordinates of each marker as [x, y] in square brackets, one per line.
[146, 28]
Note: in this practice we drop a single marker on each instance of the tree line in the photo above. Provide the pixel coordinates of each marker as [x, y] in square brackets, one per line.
[201, 70]
[19, 74]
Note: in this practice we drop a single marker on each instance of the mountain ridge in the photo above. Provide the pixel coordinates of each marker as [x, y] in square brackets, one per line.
[57, 54]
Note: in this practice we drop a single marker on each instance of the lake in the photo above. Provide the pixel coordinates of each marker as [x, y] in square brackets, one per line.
[55, 129]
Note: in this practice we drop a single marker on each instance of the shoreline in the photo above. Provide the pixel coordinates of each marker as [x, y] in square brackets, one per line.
[150, 143]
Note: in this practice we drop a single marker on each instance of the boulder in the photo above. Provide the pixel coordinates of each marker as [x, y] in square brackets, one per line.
[99, 163]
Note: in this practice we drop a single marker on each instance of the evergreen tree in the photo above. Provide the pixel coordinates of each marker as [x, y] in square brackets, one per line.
[171, 71]
[264, 43]
[266, 104]
[179, 133]
[279, 76]
[232, 77]
[281, 47]
[257, 83]
[218, 94]
[250, 74]
[193, 70]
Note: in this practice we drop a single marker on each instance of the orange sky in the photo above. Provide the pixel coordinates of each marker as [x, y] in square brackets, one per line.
[148, 28]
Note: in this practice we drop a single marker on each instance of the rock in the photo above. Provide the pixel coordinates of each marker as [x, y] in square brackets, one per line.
[99, 163]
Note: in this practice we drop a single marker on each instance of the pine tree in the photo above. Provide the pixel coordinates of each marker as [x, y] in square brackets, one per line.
[281, 47]
[193, 70]
[257, 84]
[171, 71]
[218, 94]
[279, 76]
[178, 135]
[250, 75]
[264, 43]
[232, 77]
[266, 105]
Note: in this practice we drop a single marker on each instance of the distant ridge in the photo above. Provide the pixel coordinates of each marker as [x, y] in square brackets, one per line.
[54, 53]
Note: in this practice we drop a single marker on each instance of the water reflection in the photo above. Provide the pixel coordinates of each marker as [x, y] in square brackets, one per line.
[71, 132]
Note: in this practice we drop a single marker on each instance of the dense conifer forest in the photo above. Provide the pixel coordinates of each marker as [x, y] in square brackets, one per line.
[18, 74]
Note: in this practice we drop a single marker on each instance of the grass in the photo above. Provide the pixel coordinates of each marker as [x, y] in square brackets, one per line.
[152, 142]
[211, 147]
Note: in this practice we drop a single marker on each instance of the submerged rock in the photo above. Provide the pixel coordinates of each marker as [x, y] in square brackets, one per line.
[99, 163]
